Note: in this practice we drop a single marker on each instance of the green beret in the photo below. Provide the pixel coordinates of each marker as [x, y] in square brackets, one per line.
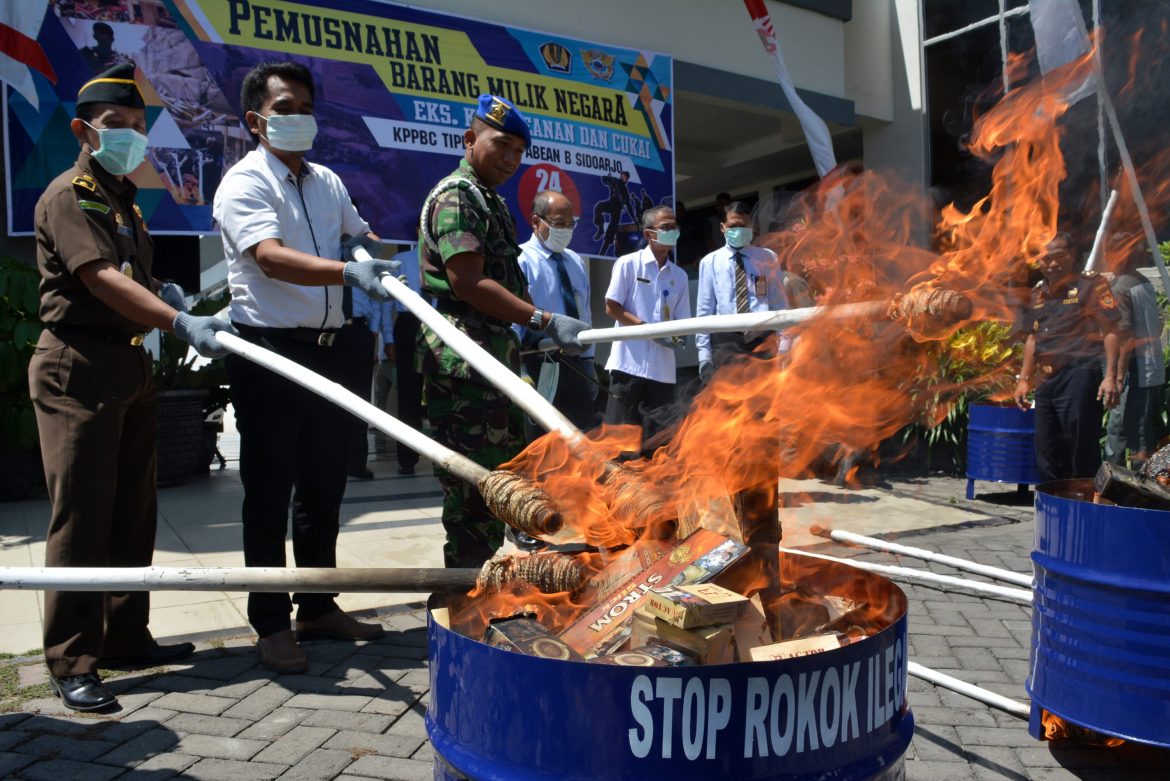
[502, 113]
[116, 86]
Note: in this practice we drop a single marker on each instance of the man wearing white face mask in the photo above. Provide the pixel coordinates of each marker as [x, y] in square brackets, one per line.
[90, 383]
[558, 282]
[646, 287]
[282, 221]
[735, 279]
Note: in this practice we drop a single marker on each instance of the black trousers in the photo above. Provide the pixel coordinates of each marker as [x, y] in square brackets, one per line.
[639, 401]
[575, 394]
[356, 342]
[1068, 422]
[410, 408]
[95, 409]
[289, 437]
[728, 347]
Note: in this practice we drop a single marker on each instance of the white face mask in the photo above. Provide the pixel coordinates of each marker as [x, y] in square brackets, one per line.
[558, 238]
[120, 149]
[290, 132]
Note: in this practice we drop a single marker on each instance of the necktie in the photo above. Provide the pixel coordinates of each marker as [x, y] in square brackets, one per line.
[741, 290]
[570, 301]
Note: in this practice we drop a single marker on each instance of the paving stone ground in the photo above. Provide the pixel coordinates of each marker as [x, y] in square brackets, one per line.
[357, 713]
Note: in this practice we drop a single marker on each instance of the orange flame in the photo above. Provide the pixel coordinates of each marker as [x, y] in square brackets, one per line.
[1056, 728]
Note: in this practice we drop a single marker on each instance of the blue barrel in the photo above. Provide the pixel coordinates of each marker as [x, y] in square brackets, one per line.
[1001, 446]
[497, 715]
[1101, 615]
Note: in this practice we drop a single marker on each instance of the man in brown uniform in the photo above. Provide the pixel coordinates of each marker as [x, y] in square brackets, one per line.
[90, 382]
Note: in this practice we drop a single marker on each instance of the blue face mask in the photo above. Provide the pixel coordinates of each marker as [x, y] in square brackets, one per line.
[667, 238]
[738, 238]
[120, 149]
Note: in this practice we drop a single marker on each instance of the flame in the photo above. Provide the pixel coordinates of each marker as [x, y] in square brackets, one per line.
[1056, 728]
[846, 385]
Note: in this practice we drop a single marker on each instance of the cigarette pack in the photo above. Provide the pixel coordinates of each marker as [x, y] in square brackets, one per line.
[627, 564]
[788, 649]
[698, 558]
[646, 656]
[526, 636]
[705, 644]
[702, 604]
[751, 630]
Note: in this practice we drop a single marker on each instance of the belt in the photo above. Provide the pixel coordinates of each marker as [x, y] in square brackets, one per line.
[357, 321]
[95, 333]
[317, 336]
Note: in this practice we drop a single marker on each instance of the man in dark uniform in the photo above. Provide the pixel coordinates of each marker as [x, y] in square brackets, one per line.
[90, 382]
[1072, 352]
[468, 261]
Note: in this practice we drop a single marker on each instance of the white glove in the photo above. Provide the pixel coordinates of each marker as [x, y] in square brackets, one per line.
[173, 296]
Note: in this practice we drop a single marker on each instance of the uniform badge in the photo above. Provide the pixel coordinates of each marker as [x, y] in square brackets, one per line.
[138, 211]
[86, 181]
[1107, 299]
[93, 206]
[499, 111]
[127, 269]
[761, 286]
[1072, 292]
[118, 218]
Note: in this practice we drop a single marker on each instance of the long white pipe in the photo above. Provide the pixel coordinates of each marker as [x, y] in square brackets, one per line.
[443, 456]
[1102, 229]
[499, 375]
[906, 573]
[271, 579]
[1006, 704]
[926, 555]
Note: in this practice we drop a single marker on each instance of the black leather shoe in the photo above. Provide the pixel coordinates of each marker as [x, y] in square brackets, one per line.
[152, 654]
[406, 470]
[84, 692]
[362, 474]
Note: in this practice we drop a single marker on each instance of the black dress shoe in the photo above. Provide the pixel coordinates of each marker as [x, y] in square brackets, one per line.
[362, 474]
[152, 654]
[406, 470]
[84, 692]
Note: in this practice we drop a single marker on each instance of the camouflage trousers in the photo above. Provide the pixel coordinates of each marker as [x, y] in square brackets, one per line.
[475, 420]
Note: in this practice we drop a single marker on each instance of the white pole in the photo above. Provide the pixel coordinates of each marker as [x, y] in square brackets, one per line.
[1006, 704]
[924, 576]
[1102, 230]
[270, 579]
[922, 553]
[443, 456]
[499, 375]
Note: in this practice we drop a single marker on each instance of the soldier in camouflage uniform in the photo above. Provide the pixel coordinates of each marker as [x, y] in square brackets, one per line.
[467, 256]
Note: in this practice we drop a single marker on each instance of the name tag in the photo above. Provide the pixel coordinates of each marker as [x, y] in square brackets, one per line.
[125, 231]
[642, 280]
[761, 286]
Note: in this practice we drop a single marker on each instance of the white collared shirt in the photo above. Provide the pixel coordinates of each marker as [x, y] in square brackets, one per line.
[544, 282]
[259, 199]
[642, 289]
[716, 296]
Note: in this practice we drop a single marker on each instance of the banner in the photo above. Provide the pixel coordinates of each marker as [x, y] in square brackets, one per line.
[395, 89]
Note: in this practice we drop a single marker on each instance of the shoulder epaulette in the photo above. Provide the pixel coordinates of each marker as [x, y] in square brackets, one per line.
[86, 182]
[1088, 274]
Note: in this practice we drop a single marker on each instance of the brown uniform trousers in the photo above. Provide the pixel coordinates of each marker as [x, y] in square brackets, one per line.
[95, 405]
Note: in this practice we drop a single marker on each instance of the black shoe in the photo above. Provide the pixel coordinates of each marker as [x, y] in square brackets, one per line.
[406, 470]
[84, 692]
[524, 542]
[362, 474]
[152, 654]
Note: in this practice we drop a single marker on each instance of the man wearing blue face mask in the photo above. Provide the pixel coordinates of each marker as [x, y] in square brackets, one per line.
[282, 220]
[735, 279]
[90, 383]
[646, 287]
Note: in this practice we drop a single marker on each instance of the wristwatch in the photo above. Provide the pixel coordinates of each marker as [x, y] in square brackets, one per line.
[536, 322]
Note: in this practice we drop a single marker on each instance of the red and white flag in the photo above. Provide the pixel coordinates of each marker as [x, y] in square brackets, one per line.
[20, 23]
[816, 132]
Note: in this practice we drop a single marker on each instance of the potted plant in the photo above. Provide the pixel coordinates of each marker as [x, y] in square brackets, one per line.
[190, 389]
[20, 327]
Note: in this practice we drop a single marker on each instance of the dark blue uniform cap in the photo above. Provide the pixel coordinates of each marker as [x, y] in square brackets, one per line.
[501, 113]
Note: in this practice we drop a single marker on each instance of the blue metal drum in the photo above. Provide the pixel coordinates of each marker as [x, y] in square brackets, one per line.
[1101, 615]
[841, 714]
[1001, 446]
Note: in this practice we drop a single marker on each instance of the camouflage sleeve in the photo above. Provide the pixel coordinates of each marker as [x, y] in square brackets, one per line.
[458, 223]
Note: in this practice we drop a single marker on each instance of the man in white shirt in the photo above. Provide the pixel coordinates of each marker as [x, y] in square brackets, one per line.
[646, 287]
[282, 220]
[558, 282]
[735, 279]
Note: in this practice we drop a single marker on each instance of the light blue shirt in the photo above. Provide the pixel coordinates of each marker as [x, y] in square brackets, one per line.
[379, 316]
[544, 282]
[716, 294]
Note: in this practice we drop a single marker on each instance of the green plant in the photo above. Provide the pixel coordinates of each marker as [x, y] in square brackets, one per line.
[20, 327]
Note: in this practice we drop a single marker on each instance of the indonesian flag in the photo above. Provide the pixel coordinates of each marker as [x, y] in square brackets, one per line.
[20, 23]
[816, 133]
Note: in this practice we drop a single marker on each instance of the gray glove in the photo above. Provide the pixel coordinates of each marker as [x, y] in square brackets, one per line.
[199, 332]
[173, 296]
[563, 330]
[706, 371]
[348, 243]
[367, 276]
[672, 342]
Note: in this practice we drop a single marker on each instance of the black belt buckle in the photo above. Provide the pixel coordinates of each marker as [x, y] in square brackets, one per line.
[325, 338]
